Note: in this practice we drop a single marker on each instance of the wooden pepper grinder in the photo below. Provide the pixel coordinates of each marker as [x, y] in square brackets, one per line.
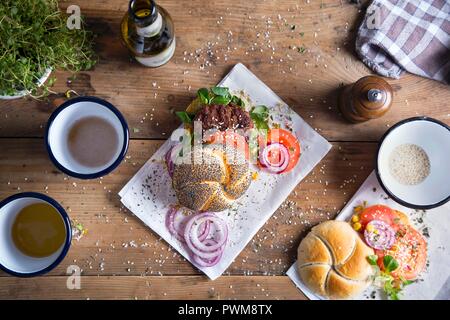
[368, 98]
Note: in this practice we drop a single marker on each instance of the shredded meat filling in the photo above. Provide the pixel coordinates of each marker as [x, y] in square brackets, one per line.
[222, 117]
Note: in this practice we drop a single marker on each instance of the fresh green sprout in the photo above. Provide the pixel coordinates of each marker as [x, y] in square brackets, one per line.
[34, 38]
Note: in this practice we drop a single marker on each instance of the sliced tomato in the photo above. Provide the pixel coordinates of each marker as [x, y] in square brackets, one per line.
[287, 139]
[229, 136]
[410, 251]
[379, 212]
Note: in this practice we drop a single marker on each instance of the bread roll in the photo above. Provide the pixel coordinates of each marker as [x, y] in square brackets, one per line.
[332, 261]
[215, 181]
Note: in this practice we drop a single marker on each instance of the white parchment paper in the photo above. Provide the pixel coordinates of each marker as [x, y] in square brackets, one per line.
[434, 283]
[149, 193]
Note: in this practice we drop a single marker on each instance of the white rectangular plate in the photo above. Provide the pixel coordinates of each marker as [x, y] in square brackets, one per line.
[435, 281]
[149, 193]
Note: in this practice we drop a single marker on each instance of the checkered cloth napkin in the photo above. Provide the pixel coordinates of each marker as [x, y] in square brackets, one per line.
[411, 35]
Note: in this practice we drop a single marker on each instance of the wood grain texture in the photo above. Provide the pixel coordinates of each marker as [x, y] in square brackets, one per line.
[144, 288]
[118, 243]
[212, 36]
[303, 50]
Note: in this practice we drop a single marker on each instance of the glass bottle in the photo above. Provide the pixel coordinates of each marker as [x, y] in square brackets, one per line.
[148, 33]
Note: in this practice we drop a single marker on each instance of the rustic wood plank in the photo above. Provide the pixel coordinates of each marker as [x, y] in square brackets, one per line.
[144, 288]
[222, 33]
[118, 243]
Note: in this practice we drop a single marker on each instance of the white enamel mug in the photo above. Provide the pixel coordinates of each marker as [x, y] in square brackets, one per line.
[12, 260]
[57, 133]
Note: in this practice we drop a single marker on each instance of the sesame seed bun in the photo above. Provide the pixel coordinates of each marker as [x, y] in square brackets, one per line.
[215, 177]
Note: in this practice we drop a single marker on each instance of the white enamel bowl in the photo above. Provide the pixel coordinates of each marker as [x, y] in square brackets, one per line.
[61, 121]
[434, 138]
[14, 261]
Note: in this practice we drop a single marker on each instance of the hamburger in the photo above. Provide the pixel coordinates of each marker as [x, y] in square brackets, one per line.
[224, 174]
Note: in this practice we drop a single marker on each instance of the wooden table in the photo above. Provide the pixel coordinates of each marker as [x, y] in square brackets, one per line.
[303, 50]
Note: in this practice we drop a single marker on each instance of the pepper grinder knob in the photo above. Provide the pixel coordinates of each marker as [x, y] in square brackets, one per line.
[374, 95]
[368, 98]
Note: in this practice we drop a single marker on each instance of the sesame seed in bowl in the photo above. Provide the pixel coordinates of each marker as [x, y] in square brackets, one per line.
[409, 164]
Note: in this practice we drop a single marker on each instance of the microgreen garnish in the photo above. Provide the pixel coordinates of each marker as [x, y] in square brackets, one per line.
[184, 116]
[391, 285]
[218, 95]
[260, 117]
[222, 100]
[391, 291]
[372, 259]
[238, 101]
[203, 95]
[221, 91]
[390, 264]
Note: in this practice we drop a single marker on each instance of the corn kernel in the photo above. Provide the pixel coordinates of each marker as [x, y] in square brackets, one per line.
[370, 228]
[355, 218]
[357, 226]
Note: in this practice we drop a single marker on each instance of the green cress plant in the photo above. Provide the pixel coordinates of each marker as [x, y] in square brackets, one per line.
[33, 38]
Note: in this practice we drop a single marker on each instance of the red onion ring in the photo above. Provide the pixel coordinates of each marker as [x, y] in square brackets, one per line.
[193, 225]
[200, 248]
[382, 237]
[280, 165]
[205, 228]
[194, 230]
[170, 223]
[169, 162]
[208, 262]
[268, 149]
[202, 254]
[170, 157]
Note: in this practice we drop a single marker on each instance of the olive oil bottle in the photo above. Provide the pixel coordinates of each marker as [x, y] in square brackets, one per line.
[148, 33]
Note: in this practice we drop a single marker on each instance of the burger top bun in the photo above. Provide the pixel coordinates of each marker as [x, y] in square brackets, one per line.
[332, 261]
[211, 177]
